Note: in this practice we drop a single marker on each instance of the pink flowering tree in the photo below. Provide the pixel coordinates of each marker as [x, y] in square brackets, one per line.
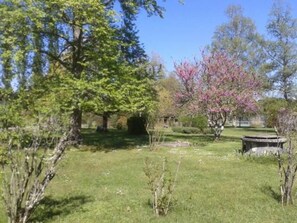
[218, 87]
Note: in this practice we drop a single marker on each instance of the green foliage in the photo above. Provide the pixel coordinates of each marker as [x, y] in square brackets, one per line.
[71, 49]
[166, 89]
[11, 109]
[9, 115]
[4, 160]
[91, 120]
[270, 108]
[281, 54]
[187, 130]
[200, 122]
[186, 120]
[137, 125]
[238, 37]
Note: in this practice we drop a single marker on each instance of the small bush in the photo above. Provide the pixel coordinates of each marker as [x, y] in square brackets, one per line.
[27, 172]
[156, 136]
[287, 163]
[137, 125]
[191, 130]
[186, 130]
[121, 123]
[186, 120]
[200, 122]
[161, 183]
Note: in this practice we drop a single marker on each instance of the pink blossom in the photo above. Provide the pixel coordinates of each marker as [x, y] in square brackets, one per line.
[217, 85]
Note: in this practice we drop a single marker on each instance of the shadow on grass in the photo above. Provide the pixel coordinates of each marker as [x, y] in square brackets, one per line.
[189, 137]
[268, 190]
[113, 139]
[201, 138]
[50, 207]
[251, 129]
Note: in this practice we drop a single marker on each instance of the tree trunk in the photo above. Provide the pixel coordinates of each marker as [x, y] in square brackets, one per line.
[234, 120]
[105, 121]
[217, 134]
[75, 128]
[77, 68]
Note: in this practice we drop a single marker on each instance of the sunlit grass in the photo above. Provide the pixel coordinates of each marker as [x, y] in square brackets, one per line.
[103, 181]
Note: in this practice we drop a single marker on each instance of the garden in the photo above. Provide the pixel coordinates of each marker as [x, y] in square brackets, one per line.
[92, 129]
[104, 180]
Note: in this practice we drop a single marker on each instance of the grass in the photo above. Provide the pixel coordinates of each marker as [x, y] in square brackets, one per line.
[103, 181]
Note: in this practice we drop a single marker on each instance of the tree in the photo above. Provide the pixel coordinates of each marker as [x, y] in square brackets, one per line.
[77, 42]
[166, 89]
[281, 49]
[218, 87]
[164, 86]
[132, 49]
[239, 39]
[270, 108]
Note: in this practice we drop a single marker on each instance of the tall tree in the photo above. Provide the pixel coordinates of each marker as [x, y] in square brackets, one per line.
[133, 51]
[281, 49]
[75, 40]
[239, 39]
[167, 88]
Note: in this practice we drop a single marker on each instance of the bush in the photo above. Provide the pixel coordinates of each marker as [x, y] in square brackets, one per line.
[121, 123]
[137, 125]
[191, 130]
[200, 122]
[27, 171]
[186, 120]
[186, 130]
[162, 185]
[270, 108]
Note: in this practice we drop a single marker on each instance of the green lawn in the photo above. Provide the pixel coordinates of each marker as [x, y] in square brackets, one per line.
[103, 181]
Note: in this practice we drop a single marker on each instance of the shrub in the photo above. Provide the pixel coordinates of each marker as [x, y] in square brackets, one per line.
[121, 123]
[200, 122]
[271, 108]
[137, 125]
[186, 130]
[156, 136]
[161, 183]
[185, 120]
[191, 130]
[287, 164]
[27, 172]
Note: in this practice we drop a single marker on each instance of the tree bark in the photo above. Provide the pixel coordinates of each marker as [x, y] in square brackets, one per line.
[77, 68]
[105, 121]
[75, 128]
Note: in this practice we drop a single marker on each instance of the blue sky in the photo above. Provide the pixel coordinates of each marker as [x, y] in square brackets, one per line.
[188, 28]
